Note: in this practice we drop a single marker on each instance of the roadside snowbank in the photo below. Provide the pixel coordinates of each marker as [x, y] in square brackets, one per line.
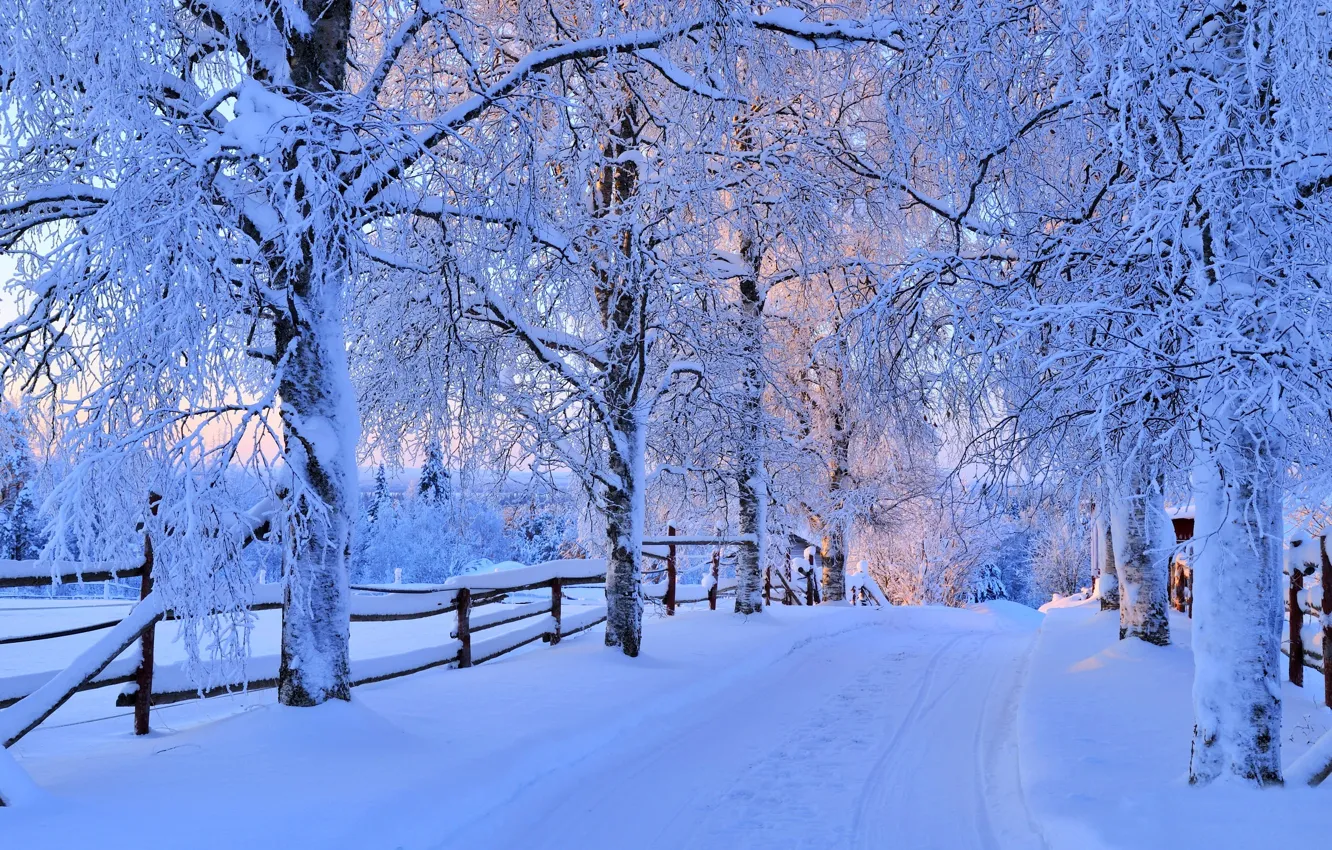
[1105, 728]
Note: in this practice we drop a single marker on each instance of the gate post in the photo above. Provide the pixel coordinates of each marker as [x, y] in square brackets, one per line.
[1296, 624]
[716, 573]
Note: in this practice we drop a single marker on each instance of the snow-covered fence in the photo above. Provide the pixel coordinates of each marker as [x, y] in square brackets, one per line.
[670, 592]
[479, 603]
[45, 573]
[28, 699]
[1309, 610]
[862, 589]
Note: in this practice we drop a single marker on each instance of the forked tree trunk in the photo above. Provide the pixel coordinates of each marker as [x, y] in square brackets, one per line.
[318, 411]
[1109, 582]
[1143, 538]
[1237, 612]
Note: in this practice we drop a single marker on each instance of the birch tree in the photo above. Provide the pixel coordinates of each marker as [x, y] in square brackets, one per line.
[1167, 293]
[191, 190]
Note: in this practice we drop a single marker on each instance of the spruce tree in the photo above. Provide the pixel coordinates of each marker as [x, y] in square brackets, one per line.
[435, 484]
[381, 501]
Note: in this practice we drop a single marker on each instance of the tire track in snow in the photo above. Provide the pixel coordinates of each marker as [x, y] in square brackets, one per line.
[882, 739]
[870, 796]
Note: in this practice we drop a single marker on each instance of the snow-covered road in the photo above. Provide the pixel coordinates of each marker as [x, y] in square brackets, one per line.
[872, 738]
[825, 728]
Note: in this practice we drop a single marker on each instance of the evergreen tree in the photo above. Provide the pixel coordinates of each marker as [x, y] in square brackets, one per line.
[25, 529]
[381, 502]
[435, 484]
[989, 583]
[20, 527]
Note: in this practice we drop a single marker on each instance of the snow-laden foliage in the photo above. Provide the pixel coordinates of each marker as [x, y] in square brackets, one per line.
[200, 194]
[1060, 557]
[420, 539]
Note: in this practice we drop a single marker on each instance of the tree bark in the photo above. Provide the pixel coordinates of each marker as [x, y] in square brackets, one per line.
[624, 507]
[1143, 538]
[833, 544]
[318, 411]
[1237, 612]
[1109, 584]
[833, 552]
[319, 425]
[622, 300]
[751, 485]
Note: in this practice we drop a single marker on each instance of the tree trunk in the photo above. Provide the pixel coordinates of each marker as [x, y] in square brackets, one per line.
[833, 551]
[318, 410]
[1109, 583]
[751, 485]
[622, 300]
[1237, 612]
[834, 539]
[625, 508]
[320, 430]
[1143, 538]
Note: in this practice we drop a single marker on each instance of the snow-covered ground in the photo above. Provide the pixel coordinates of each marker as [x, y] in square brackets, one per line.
[832, 727]
[1105, 734]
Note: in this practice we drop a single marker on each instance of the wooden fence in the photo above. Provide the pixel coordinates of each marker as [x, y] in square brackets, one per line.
[475, 601]
[1309, 610]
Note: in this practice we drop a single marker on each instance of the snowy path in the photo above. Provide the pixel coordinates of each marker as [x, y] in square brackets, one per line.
[823, 728]
[872, 739]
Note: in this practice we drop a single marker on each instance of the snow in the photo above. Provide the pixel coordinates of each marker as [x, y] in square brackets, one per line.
[402, 604]
[588, 568]
[14, 570]
[1105, 729]
[991, 727]
[545, 748]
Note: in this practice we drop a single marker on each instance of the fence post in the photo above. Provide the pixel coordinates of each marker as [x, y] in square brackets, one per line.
[811, 589]
[464, 602]
[556, 606]
[1296, 625]
[716, 577]
[670, 573]
[809, 583]
[1188, 583]
[1326, 580]
[143, 677]
[767, 587]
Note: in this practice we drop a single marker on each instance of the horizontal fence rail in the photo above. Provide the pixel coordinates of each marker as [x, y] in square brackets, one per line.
[28, 699]
[478, 603]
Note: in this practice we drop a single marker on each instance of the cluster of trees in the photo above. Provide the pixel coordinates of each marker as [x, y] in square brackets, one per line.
[437, 529]
[22, 532]
[758, 262]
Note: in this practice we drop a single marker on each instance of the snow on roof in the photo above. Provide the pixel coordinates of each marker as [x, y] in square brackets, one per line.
[1184, 511]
